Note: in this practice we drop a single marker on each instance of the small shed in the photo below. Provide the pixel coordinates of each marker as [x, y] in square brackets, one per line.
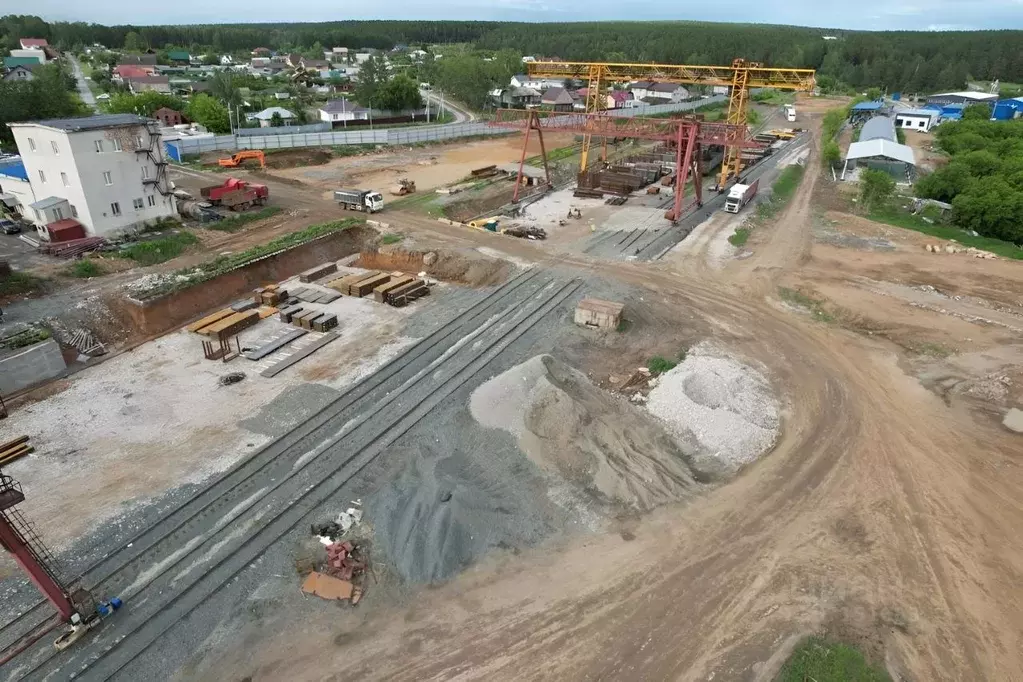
[865, 110]
[594, 312]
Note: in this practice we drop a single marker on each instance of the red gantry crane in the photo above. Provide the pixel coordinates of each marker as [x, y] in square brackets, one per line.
[685, 135]
[19, 538]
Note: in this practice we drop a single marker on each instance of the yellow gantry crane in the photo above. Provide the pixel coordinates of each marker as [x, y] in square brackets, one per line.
[739, 78]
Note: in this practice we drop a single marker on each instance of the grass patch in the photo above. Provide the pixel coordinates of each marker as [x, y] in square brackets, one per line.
[554, 155]
[785, 186]
[159, 250]
[203, 272]
[391, 238]
[658, 365]
[237, 222]
[935, 350]
[825, 661]
[739, 237]
[813, 305]
[84, 268]
[25, 337]
[21, 283]
[893, 216]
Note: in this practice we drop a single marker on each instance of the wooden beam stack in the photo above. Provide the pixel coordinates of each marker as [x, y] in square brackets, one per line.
[15, 449]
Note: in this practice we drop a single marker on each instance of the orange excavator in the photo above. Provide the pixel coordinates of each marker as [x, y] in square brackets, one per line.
[235, 160]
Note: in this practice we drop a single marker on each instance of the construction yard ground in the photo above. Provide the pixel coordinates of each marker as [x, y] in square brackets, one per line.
[827, 457]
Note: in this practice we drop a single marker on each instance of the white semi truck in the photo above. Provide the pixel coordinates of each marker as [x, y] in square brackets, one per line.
[740, 195]
[367, 200]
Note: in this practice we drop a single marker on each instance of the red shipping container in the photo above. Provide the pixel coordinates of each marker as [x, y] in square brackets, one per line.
[65, 230]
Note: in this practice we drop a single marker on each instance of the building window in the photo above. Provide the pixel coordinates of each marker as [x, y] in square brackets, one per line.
[55, 148]
[42, 177]
[115, 208]
[152, 200]
[922, 123]
[107, 180]
[74, 211]
[145, 172]
[58, 213]
[138, 142]
[99, 146]
[63, 179]
[31, 144]
[117, 144]
[137, 204]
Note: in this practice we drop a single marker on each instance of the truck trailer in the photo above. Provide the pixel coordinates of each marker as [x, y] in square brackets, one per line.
[367, 200]
[740, 195]
[235, 193]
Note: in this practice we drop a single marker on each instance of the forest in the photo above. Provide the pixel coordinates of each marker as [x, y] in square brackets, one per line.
[984, 178]
[898, 61]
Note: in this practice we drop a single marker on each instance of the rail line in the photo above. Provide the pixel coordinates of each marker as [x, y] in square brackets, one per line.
[372, 433]
[243, 471]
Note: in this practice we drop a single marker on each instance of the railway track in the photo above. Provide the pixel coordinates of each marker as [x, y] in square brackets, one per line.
[293, 462]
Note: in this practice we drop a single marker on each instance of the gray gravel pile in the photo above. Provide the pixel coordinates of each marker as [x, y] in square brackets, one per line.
[581, 435]
[729, 408]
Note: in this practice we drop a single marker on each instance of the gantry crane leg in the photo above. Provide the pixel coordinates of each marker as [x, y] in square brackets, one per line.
[731, 164]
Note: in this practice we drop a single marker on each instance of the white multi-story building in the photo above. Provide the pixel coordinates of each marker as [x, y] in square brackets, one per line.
[108, 172]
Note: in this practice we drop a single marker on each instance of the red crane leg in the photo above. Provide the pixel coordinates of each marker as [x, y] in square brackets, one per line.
[13, 542]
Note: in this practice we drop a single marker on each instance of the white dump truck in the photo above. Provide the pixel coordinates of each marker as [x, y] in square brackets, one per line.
[367, 200]
[740, 195]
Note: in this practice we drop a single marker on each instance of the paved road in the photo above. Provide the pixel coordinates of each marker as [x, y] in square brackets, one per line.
[83, 86]
[461, 115]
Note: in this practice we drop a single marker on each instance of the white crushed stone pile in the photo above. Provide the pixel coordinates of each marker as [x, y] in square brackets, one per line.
[728, 406]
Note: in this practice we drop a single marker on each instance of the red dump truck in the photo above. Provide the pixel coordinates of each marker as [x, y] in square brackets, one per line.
[236, 194]
[740, 195]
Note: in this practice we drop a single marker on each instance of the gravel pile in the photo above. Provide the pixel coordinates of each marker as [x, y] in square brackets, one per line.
[581, 435]
[729, 408]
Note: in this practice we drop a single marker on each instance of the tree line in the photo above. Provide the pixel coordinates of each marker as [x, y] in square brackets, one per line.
[898, 61]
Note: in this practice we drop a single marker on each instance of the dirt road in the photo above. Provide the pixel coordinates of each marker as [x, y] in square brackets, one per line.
[883, 515]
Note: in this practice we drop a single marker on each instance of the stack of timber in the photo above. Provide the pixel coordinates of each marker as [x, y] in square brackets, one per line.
[14, 449]
[226, 323]
[395, 288]
[319, 272]
[271, 295]
[314, 320]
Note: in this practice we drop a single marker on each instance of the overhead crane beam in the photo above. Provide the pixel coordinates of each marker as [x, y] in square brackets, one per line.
[739, 77]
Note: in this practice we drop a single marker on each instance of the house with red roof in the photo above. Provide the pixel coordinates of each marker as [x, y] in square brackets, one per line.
[123, 72]
[33, 43]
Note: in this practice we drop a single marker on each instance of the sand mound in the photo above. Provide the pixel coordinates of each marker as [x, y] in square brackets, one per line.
[727, 405]
[575, 431]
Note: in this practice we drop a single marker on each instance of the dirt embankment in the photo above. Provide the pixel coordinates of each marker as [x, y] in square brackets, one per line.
[470, 268]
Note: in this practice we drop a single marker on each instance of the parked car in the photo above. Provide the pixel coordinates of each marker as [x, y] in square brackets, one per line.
[9, 226]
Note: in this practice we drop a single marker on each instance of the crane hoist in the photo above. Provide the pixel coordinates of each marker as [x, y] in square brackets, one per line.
[739, 78]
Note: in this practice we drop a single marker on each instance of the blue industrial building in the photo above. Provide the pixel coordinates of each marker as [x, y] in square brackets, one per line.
[1008, 109]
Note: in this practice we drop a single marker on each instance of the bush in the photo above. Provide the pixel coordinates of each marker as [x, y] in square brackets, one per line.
[658, 365]
[739, 237]
[84, 269]
[21, 283]
[159, 250]
[876, 189]
[391, 238]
